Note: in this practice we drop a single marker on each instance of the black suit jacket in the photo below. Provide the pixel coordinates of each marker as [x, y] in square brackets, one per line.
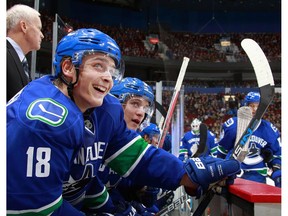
[16, 77]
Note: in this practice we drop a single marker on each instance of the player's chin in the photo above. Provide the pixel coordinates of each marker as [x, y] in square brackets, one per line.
[97, 101]
[132, 125]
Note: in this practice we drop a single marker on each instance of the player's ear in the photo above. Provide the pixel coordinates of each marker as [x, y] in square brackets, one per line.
[146, 137]
[68, 69]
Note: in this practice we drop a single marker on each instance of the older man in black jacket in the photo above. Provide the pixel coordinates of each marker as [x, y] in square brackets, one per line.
[24, 34]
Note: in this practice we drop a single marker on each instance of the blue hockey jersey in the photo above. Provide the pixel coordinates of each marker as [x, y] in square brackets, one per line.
[45, 130]
[190, 138]
[122, 150]
[265, 136]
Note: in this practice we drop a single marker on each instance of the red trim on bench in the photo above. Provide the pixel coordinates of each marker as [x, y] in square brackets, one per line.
[255, 192]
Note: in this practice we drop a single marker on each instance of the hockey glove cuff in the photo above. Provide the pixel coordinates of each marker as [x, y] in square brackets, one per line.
[148, 196]
[267, 154]
[124, 208]
[276, 176]
[207, 171]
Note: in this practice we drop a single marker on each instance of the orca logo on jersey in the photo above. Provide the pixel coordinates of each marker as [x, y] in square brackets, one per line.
[47, 111]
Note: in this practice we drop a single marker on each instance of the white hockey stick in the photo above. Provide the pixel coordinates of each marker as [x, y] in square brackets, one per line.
[266, 84]
[165, 127]
[175, 204]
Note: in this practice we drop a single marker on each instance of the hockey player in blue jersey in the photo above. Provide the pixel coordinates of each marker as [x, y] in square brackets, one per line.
[151, 134]
[45, 124]
[190, 141]
[53, 131]
[264, 149]
[137, 99]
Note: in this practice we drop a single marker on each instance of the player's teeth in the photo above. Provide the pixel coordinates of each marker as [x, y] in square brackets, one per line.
[102, 88]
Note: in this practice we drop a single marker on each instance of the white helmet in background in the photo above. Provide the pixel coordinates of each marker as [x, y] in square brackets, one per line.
[195, 126]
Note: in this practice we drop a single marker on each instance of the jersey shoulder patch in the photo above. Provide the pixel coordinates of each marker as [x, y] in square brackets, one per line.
[48, 111]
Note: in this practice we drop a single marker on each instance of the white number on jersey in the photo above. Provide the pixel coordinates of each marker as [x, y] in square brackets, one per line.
[229, 122]
[273, 128]
[42, 166]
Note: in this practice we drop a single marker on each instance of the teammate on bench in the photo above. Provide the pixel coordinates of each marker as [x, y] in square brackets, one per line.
[137, 99]
[151, 134]
[191, 139]
[264, 150]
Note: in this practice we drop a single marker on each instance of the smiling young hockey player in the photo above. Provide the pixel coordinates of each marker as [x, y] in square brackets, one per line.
[264, 150]
[61, 128]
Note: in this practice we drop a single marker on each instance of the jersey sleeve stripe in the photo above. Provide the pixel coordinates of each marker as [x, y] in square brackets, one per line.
[127, 158]
[45, 210]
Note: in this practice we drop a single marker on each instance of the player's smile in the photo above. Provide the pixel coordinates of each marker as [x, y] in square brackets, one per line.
[100, 89]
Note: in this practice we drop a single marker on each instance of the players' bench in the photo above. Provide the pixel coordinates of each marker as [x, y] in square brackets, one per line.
[248, 198]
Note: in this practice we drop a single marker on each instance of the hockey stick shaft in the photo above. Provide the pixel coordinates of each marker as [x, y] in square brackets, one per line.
[165, 127]
[202, 147]
[201, 150]
[176, 203]
[177, 86]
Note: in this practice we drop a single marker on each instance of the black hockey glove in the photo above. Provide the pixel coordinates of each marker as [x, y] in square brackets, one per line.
[148, 195]
[267, 154]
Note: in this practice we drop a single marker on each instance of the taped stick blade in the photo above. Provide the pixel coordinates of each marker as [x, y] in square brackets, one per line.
[244, 117]
[259, 62]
